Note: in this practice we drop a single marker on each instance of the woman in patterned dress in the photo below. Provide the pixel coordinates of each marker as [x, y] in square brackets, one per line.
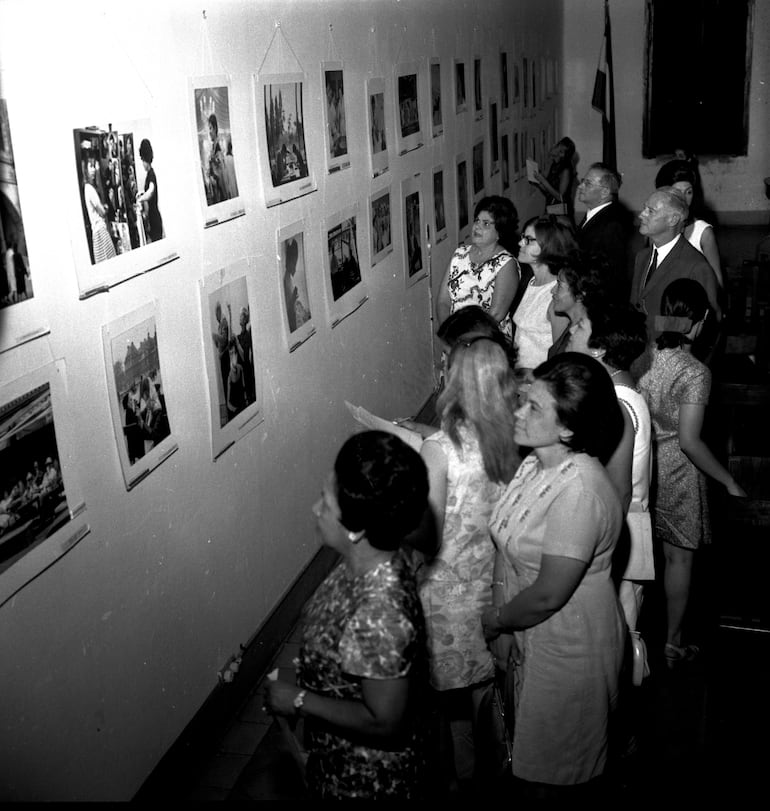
[362, 673]
[469, 461]
[484, 272]
[555, 529]
[677, 387]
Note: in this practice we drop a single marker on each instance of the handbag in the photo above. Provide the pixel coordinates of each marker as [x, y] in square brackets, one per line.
[641, 561]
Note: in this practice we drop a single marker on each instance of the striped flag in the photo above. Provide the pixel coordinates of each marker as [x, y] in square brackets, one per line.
[603, 98]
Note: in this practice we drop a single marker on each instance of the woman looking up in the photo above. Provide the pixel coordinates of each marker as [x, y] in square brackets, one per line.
[469, 461]
[361, 677]
[555, 530]
[484, 272]
[543, 246]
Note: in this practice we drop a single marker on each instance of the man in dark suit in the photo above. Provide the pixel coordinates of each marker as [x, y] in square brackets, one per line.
[669, 256]
[608, 224]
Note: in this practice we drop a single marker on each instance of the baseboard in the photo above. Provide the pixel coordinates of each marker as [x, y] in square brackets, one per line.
[178, 767]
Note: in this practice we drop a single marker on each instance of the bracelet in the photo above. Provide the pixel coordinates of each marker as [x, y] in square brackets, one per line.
[497, 583]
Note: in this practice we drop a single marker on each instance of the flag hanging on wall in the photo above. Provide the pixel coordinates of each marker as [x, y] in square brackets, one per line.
[603, 98]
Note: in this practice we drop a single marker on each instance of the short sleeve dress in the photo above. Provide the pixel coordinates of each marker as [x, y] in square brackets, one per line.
[365, 627]
[474, 284]
[455, 585]
[568, 668]
[680, 512]
[534, 336]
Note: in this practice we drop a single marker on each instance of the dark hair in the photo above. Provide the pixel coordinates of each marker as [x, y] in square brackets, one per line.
[674, 172]
[382, 487]
[569, 153]
[474, 322]
[586, 402]
[506, 218]
[619, 329]
[145, 150]
[556, 238]
[683, 299]
[213, 122]
[588, 275]
[608, 177]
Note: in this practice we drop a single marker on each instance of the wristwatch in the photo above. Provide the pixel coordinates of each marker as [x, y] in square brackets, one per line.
[299, 701]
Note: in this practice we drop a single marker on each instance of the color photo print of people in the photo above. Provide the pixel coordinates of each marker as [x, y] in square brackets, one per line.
[215, 144]
[34, 502]
[15, 278]
[119, 200]
[138, 384]
[344, 268]
[285, 130]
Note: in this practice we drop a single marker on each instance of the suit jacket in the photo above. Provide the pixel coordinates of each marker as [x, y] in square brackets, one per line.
[610, 232]
[683, 262]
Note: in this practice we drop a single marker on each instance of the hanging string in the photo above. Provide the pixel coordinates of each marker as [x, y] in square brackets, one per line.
[110, 31]
[205, 47]
[400, 45]
[333, 52]
[375, 62]
[276, 31]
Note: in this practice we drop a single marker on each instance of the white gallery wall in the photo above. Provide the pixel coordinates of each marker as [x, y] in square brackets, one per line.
[109, 652]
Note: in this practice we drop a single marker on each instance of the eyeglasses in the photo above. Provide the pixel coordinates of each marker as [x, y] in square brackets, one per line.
[587, 182]
[528, 240]
[484, 223]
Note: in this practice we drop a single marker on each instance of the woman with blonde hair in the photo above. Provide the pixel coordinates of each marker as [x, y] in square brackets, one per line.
[469, 460]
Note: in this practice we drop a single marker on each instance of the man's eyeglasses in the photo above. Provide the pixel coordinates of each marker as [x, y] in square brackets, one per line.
[584, 181]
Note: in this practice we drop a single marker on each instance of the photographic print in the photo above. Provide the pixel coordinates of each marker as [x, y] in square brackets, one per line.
[516, 83]
[439, 211]
[414, 249]
[336, 122]
[218, 187]
[463, 217]
[234, 385]
[516, 156]
[380, 217]
[505, 158]
[283, 156]
[137, 397]
[461, 103]
[533, 71]
[119, 176]
[41, 505]
[525, 82]
[22, 318]
[478, 168]
[292, 270]
[494, 148]
[505, 99]
[408, 130]
[478, 105]
[345, 290]
[436, 115]
[376, 119]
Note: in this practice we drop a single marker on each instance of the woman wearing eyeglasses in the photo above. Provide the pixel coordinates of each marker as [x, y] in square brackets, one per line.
[543, 246]
[485, 272]
[469, 462]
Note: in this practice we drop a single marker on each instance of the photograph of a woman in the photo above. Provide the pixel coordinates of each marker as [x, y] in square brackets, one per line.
[335, 113]
[215, 143]
[461, 105]
[295, 282]
[147, 201]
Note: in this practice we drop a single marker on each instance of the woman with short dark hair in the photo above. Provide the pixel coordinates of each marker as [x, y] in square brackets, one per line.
[362, 672]
[555, 529]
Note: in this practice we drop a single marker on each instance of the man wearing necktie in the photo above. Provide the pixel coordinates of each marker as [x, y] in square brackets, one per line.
[607, 228]
[661, 221]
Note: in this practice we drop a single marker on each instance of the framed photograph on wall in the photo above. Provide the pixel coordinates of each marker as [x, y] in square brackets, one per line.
[336, 129]
[478, 98]
[42, 510]
[505, 87]
[494, 143]
[380, 219]
[137, 398]
[525, 83]
[295, 298]
[461, 98]
[407, 84]
[343, 284]
[461, 186]
[516, 156]
[282, 149]
[21, 315]
[376, 112]
[439, 208]
[523, 155]
[505, 162]
[217, 150]
[516, 82]
[234, 382]
[118, 229]
[436, 113]
[533, 68]
[478, 169]
[415, 254]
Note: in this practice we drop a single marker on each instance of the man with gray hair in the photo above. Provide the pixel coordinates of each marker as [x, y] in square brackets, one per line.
[669, 256]
[608, 226]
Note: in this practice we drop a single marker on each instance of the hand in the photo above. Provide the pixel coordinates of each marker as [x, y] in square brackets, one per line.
[734, 489]
[490, 624]
[279, 698]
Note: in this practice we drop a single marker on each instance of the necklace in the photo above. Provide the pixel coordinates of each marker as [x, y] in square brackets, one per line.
[616, 372]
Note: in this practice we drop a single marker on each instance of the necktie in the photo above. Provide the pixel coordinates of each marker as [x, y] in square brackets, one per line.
[583, 221]
[653, 266]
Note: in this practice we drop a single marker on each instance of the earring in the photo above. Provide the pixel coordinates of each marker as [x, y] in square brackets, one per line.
[355, 537]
